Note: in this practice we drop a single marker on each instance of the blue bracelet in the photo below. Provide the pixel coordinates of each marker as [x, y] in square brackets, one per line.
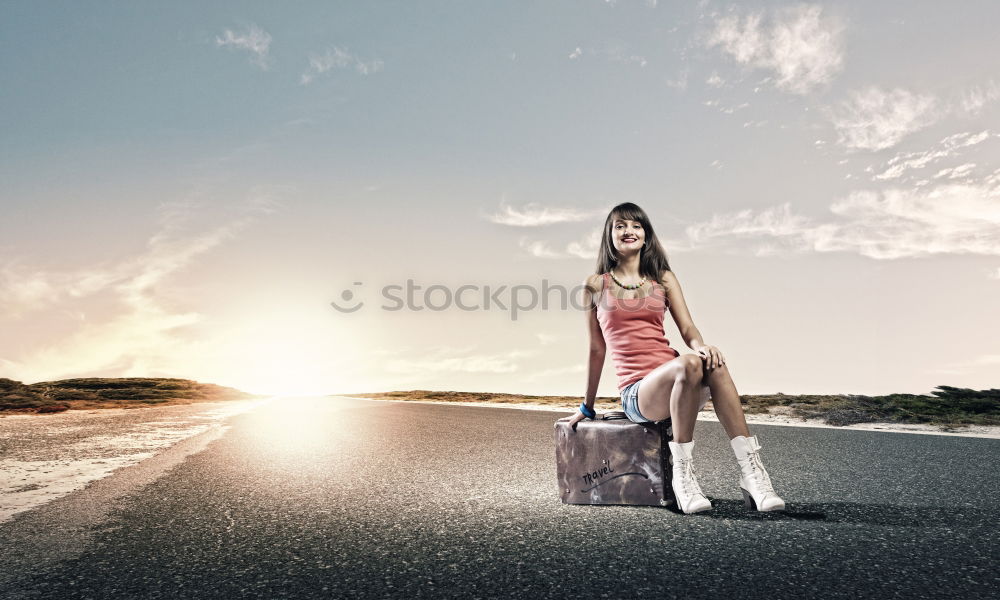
[587, 412]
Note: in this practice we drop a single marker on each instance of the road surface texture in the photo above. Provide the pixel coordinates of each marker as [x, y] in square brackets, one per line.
[352, 498]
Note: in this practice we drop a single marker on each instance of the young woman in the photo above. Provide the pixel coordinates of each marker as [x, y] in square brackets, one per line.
[627, 298]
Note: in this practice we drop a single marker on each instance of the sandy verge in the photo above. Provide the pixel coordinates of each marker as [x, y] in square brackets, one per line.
[44, 457]
[776, 417]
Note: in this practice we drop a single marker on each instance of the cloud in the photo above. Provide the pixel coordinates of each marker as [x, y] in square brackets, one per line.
[338, 58]
[772, 222]
[618, 54]
[956, 172]
[948, 218]
[537, 215]
[874, 119]
[725, 109]
[613, 51]
[799, 45]
[546, 338]
[567, 370]
[539, 249]
[534, 215]
[899, 165]
[586, 247]
[973, 100]
[255, 40]
[681, 82]
[143, 330]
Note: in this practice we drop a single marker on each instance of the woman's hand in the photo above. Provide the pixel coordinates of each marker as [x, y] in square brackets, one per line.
[712, 356]
[579, 416]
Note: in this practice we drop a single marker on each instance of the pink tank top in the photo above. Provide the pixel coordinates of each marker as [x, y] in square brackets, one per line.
[633, 331]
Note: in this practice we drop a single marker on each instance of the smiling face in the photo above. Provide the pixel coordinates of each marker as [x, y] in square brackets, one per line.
[628, 236]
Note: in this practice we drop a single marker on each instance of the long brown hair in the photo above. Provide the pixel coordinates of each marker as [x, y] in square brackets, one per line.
[652, 257]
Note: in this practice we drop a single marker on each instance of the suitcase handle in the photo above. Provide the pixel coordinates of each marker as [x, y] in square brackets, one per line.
[613, 414]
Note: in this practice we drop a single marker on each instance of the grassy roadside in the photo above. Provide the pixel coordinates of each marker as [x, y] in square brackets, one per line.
[947, 407]
[101, 392]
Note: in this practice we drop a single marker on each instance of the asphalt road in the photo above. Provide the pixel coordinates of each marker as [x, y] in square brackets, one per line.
[364, 499]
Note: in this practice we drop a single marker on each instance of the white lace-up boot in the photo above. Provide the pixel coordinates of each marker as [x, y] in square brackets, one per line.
[685, 485]
[754, 480]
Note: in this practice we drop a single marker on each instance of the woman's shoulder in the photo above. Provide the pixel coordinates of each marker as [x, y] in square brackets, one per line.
[668, 279]
[593, 282]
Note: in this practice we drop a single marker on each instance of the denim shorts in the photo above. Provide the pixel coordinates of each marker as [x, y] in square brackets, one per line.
[630, 401]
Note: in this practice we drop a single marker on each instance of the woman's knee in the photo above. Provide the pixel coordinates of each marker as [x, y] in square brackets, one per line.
[691, 368]
[686, 369]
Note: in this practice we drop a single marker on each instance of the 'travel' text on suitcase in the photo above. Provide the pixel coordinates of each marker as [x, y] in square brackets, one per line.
[589, 478]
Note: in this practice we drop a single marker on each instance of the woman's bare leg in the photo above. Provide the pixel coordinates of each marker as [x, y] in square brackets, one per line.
[726, 401]
[673, 390]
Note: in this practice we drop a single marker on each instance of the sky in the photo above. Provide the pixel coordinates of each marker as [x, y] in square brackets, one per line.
[189, 188]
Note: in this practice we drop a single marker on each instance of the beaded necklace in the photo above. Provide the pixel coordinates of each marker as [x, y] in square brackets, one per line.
[633, 286]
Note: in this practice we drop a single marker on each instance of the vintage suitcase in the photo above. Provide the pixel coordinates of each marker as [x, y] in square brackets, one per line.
[611, 460]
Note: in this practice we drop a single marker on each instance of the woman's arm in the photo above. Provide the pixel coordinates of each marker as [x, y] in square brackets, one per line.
[679, 312]
[597, 346]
